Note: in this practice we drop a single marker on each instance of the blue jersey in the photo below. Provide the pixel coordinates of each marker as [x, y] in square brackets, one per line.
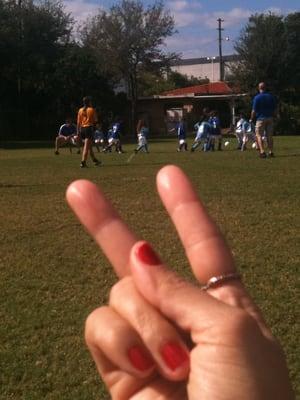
[67, 130]
[215, 126]
[144, 132]
[116, 130]
[180, 129]
[264, 105]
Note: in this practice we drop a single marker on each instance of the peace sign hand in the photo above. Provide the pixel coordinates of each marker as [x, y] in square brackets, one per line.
[162, 337]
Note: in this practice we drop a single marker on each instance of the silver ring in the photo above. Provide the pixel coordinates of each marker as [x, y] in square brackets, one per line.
[219, 280]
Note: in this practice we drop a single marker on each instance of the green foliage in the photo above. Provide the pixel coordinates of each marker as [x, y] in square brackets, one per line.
[269, 50]
[261, 47]
[44, 74]
[129, 40]
[52, 274]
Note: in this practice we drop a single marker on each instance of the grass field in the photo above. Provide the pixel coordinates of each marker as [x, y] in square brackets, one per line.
[52, 274]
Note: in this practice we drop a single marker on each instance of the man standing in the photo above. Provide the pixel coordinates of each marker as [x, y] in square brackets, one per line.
[263, 109]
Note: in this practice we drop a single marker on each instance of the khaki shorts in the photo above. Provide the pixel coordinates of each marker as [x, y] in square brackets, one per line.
[264, 126]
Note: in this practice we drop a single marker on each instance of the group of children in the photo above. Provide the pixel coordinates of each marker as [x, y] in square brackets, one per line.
[208, 132]
[104, 142]
[208, 135]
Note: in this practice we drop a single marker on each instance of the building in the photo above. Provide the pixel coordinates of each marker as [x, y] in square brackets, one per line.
[206, 67]
[162, 111]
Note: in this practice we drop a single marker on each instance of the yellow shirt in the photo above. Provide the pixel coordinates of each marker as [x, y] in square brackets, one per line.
[86, 117]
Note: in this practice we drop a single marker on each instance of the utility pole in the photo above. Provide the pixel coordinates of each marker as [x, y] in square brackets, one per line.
[220, 29]
[19, 56]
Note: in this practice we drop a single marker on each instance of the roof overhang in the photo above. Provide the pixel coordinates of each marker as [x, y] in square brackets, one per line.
[195, 96]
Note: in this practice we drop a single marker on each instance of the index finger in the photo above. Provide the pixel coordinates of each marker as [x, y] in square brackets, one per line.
[101, 220]
[204, 244]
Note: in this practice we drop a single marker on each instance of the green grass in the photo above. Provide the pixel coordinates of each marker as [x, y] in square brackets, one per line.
[52, 274]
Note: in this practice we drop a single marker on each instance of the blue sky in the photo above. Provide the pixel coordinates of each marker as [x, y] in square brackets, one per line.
[196, 20]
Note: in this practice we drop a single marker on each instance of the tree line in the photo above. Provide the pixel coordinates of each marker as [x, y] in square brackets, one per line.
[48, 62]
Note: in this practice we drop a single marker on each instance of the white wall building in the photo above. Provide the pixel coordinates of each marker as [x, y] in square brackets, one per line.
[205, 67]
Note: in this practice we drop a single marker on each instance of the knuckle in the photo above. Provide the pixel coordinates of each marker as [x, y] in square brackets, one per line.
[121, 289]
[93, 325]
[240, 324]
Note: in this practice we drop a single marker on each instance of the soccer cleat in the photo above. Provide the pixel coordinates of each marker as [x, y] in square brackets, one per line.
[262, 155]
[83, 164]
[271, 154]
[96, 162]
[56, 152]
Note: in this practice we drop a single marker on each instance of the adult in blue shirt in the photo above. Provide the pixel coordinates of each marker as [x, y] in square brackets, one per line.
[67, 134]
[263, 110]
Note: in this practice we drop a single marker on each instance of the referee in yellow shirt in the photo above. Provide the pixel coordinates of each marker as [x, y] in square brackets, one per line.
[86, 121]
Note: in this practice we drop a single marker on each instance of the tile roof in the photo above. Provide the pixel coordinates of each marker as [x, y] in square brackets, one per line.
[198, 90]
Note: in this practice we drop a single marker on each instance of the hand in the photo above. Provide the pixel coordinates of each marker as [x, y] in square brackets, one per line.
[161, 337]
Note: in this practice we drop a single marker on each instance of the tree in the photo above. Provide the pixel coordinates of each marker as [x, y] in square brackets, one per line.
[269, 51]
[129, 41]
[33, 36]
[261, 47]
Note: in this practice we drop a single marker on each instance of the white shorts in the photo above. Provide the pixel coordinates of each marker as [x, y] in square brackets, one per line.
[142, 140]
[113, 141]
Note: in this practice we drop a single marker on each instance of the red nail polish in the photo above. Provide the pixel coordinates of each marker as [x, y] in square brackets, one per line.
[147, 255]
[139, 358]
[174, 355]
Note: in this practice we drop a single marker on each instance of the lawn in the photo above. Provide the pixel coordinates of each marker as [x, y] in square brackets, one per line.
[52, 274]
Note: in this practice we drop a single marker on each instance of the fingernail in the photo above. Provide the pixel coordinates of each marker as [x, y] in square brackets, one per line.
[147, 255]
[139, 358]
[174, 355]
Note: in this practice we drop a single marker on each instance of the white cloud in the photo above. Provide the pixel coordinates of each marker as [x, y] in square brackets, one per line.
[185, 12]
[80, 9]
[190, 46]
[273, 10]
[234, 17]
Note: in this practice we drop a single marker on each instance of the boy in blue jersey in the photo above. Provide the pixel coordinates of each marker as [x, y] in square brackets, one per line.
[180, 129]
[114, 137]
[203, 132]
[215, 134]
[67, 134]
[263, 110]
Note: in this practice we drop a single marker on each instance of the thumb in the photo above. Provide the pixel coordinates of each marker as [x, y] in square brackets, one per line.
[185, 304]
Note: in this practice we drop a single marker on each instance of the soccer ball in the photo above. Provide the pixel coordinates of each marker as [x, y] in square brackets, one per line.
[226, 143]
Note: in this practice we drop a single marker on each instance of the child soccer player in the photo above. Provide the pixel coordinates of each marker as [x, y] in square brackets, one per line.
[114, 136]
[248, 130]
[203, 132]
[215, 134]
[67, 135]
[99, 139]
[181, 134]
[142, 134]
[239, 130]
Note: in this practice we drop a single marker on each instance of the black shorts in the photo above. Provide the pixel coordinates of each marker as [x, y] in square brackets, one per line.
[87, 132]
